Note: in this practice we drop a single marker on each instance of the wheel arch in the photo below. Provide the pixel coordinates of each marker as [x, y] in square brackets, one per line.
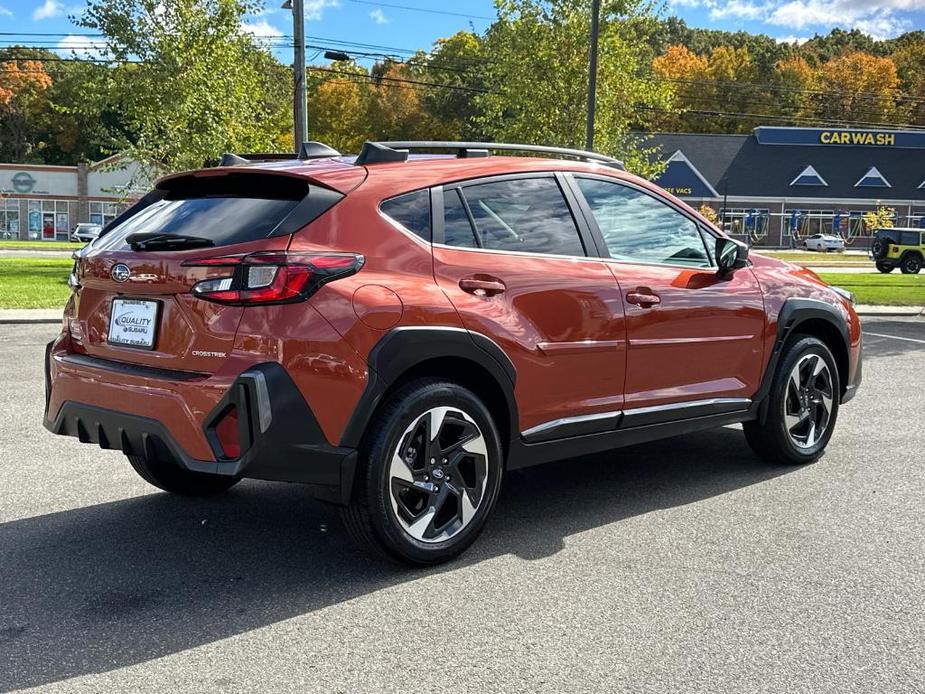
[472, 360]
[815, 318]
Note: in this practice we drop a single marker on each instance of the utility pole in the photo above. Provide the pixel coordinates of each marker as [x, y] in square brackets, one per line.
[592, 72]
[300, 96]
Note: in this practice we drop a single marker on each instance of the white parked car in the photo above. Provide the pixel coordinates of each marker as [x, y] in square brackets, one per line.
[824, 242]
[86, 232]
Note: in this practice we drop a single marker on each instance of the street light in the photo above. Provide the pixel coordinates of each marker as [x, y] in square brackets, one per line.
[336, 55]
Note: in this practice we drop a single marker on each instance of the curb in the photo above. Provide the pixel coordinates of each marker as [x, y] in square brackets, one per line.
[30, 321]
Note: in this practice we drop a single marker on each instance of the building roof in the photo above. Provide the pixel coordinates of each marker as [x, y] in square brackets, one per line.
[740, 165]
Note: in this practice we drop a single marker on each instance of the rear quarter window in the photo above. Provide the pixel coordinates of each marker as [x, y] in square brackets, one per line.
[412, 211]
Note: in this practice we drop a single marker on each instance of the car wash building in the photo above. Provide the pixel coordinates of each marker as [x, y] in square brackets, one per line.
[42, 202]
[779, 185]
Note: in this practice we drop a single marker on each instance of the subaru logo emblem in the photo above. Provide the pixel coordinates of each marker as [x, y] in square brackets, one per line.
[120, 272]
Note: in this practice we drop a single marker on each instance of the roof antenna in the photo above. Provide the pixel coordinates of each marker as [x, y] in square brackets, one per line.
[229, 159]
[374, 153]
[316, 150]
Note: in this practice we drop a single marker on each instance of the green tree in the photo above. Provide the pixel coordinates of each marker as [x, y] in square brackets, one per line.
[192, 83]
[458, 62]
[537, 77]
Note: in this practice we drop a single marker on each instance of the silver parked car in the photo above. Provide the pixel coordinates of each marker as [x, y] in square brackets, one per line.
[86, 232]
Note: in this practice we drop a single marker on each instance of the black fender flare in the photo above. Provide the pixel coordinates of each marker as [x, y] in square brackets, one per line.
[404, 348]
[793, 313]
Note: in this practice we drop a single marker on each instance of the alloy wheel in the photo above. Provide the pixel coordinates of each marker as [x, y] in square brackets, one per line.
[808, 401]
[437, 475]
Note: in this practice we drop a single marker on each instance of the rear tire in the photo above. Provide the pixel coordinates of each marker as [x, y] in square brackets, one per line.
[885, 268]
[176, 480]
[911, 264]
[802, 406]
[429, 474]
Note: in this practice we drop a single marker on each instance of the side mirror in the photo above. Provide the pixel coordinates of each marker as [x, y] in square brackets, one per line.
[731, 255]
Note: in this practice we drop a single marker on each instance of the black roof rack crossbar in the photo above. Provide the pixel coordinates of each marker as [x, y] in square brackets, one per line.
[479, 149]
[308, 150]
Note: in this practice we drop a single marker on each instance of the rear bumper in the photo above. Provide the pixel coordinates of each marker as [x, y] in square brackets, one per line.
[280, 436]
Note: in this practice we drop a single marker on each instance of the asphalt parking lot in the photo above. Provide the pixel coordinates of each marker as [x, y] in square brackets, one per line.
[683, 566]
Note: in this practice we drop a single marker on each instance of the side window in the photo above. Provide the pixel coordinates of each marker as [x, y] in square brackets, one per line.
[910, 238]
[457, 231]
[639, 228]
[411, 210]
[524, 214]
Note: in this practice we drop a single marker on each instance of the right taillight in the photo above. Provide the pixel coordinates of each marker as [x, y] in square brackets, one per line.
[272, 277]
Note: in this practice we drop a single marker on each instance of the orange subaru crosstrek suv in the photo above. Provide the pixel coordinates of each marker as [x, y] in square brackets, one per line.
[397, 330]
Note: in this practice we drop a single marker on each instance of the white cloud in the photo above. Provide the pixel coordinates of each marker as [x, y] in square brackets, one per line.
[82, 46]
[261, 28]
[48, 9]
[798, 40]
[378, 16]
[314, 9]
[878, 18]
[739, 9]
[5, 12]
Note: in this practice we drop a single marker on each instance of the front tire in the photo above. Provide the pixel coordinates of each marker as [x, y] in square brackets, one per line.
[176, 480]
[911, 264]
[429, 474]
[802, 407]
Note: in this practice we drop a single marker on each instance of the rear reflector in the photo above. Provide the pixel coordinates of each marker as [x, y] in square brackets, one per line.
[228, 433]
[273, 277]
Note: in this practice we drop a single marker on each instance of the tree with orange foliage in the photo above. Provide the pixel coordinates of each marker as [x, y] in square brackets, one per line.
[794, 78]
[859, 87]
[23, 89]
[685, 71]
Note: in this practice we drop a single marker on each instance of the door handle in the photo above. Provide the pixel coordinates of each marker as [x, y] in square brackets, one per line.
[482, 287]
[643, 297]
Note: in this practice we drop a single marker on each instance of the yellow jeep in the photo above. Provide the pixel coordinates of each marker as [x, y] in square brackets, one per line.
[898, 247]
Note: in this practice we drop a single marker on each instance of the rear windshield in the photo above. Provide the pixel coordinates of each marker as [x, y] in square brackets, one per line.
[224, 209]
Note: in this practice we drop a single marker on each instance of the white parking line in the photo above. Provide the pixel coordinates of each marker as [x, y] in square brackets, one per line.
[896, 337]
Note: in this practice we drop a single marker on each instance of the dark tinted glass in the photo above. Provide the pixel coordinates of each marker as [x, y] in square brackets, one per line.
[457, 231]
[909, 238]
[526, 214]
[412, 211]
[638, 228]
[225, 209]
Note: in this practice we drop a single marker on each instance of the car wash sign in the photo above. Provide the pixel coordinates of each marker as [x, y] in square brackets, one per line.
[840, 137]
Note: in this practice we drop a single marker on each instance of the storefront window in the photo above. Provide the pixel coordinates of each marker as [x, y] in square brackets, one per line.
[48, 220]
[9, 219]
[104, 212]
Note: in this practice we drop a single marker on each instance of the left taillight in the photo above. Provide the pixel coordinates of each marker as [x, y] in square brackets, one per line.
[272, 277]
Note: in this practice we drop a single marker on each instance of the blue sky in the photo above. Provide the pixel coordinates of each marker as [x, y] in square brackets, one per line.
[413, 24]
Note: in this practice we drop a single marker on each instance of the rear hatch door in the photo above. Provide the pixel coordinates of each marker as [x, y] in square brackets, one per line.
[134, 302]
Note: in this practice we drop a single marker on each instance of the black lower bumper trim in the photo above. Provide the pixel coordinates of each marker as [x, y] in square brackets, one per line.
[281, 439]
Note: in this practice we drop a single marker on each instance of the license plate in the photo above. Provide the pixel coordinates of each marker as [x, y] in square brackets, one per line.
[133, 323]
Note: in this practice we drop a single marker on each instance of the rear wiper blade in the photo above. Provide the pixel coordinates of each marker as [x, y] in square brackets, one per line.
[146, 241]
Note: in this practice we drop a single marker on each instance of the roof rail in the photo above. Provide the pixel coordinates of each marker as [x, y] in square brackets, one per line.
[308, 150]
[472, 149]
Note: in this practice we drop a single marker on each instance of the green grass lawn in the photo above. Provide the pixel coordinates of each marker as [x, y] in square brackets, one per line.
[10, 245]
[810, 258]
[42, 283]
[894, 289]
[34, 282]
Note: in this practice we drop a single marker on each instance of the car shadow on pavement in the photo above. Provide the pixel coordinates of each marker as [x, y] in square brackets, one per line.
[103, 587]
